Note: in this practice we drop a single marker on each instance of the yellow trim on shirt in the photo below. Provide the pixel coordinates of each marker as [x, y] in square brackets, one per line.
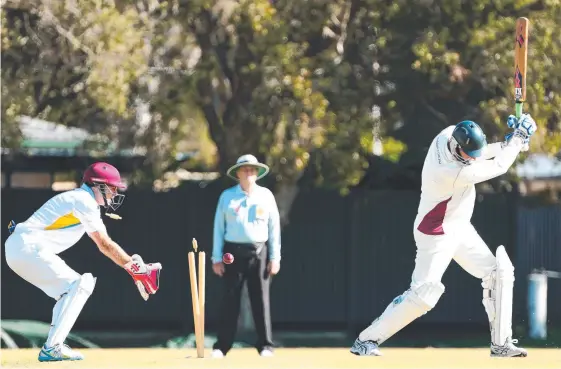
[65, 221]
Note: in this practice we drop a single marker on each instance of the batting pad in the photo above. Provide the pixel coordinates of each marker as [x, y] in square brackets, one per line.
[497, 298]
[68, 307]
[405, 308]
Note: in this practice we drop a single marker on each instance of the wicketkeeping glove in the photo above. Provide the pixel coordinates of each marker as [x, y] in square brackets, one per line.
[145, 276]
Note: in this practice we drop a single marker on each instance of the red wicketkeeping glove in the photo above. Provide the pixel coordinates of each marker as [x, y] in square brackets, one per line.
[145, 276]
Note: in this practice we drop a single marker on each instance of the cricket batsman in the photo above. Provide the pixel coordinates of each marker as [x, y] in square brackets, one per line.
[33, 246]
[458, 158]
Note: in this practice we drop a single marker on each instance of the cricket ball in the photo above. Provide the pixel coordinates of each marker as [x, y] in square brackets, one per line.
[228, 258]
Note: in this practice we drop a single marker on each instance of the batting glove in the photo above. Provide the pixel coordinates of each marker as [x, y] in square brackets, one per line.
[524, 127]
[512, 121]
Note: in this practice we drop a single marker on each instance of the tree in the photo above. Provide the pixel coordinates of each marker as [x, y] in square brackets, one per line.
[261, 86]
[453, 60]
[91, 64]
[307, 86]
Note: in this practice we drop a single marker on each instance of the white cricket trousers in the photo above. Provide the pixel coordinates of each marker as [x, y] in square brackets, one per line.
[39, 266]
[434, 254]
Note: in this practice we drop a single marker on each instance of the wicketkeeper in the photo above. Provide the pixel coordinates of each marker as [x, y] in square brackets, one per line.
[31, 251]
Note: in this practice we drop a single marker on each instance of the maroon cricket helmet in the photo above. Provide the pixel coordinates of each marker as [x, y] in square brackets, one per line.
[103, 173]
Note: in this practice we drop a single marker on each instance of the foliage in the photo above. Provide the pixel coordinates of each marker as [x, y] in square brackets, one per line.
[454, 60]
[306, 85]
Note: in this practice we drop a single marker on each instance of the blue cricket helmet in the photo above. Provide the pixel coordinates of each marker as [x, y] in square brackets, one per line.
[470, 138]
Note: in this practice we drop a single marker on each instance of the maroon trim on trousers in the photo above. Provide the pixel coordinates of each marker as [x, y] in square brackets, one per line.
[432, 222]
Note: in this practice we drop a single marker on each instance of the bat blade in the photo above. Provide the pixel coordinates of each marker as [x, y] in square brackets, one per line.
[520, 62]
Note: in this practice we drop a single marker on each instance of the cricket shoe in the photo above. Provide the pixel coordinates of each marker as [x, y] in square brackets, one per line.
[508, 350]
[365, 348]
[59, 352]
[217, 354]
[266, 352]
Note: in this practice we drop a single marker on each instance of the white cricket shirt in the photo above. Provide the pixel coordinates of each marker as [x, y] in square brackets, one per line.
[62, 221]
[448, 191]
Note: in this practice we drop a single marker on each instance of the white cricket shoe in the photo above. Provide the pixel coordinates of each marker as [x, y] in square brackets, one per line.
[59, 352]
[365, 348]
[267, 353]
[217, 354]
[508, 350]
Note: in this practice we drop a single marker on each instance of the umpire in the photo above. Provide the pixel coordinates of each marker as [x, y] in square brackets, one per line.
[246, 225]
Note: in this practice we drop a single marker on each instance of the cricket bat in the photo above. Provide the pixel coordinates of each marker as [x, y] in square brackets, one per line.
[520, 63]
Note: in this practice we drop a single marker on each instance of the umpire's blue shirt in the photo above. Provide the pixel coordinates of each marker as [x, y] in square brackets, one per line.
[246, 218]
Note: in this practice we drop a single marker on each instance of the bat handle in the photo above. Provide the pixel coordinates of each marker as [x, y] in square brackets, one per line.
[518, 109]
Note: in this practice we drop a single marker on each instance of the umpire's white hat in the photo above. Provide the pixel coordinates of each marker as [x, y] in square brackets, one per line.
[248, 159]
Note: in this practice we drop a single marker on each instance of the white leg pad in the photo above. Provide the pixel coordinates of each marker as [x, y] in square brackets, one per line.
[497, 298]
[405, 308]
[68, 307]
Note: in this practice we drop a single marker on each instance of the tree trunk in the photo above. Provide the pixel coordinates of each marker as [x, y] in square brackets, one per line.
[285, 194]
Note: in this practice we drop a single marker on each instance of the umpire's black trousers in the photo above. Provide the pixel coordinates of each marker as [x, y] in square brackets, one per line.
[250, 264]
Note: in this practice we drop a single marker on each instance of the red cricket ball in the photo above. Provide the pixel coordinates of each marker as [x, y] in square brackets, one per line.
[228, 258]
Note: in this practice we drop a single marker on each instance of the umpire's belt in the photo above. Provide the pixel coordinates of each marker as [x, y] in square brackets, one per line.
[240, 249]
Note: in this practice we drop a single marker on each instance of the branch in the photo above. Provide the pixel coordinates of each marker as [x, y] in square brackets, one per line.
[46, 100]
[349, 9]
[440, 116]
[17, 4]
[49, 16]
[30, 31]
[202, 28]
[215, 124]
[220, 49]
[41, 102]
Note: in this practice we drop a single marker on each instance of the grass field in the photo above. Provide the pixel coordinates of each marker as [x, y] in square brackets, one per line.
[414, 358]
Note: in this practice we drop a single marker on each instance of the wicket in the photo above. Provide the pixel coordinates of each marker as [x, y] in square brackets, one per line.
[198, 297]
